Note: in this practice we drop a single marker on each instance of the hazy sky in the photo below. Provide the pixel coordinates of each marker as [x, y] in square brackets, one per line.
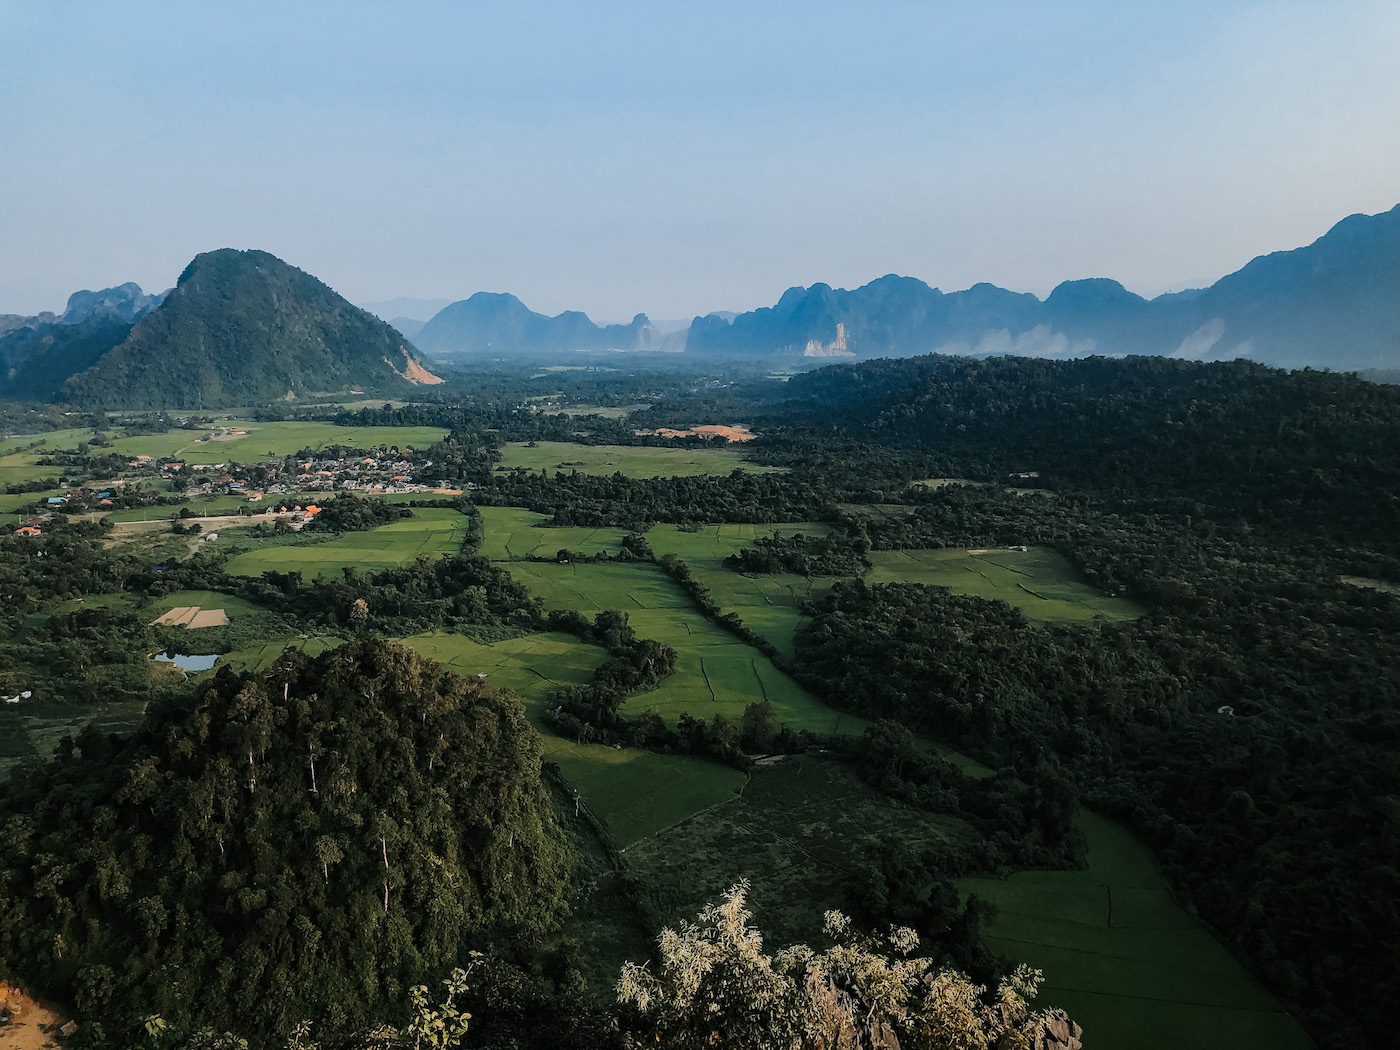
[676, 157]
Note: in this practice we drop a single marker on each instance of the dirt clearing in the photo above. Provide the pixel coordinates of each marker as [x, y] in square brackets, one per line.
[191, 616]
[33, 1025]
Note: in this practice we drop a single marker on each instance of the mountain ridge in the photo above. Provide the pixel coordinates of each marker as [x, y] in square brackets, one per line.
[499, 323]
[245, 327]
[1333, 303]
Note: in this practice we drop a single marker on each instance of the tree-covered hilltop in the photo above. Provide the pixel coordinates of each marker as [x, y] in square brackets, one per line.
[246, 328]
[306, 843]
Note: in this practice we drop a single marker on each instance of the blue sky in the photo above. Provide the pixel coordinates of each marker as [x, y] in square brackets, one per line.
[680, 157]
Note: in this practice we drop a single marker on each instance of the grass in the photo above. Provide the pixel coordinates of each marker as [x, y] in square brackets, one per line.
[716, 673]
[633, 461]
[32, 730]
[433, 532]
[514, 533]
[768, 604]
[550, 404]
[530, 665]
[797, 833]
[276, 438]
[261, 657]
[1134, 969]
[49, 439]
[1039, 582]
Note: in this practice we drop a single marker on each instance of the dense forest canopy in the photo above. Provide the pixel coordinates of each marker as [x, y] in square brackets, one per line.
[301, 844]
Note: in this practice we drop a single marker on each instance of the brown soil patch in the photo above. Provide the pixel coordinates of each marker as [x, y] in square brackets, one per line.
[708, 430]
[181, 614]
[414, 372]
[191, 617]
[33, 1024]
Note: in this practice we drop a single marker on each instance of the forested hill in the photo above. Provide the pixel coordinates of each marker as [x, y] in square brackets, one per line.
[496, 323]
[1308, 447]
[1331, 304]
[39, 353]
[305, 843]
[244, 327]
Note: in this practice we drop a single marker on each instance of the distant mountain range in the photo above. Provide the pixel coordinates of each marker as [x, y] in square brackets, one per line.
[243, 327]
[1334, 304]
[496, 324]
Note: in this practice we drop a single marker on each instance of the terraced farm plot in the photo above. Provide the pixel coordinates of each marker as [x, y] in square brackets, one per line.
[431, 531]
[233, 607]
[634, 461]
[275, 438]
[514, 533]
[1125, 962]
[1039, 582]
[638, 793]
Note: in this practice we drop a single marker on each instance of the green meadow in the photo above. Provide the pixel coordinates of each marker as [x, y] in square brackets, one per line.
[514, 533]
[1124, 960]
[433, 532]
[529, 665]
[1039, 582]
[716, 673]
[31, 730]
[265, 439]
[261, 657]
[48, 440]
[797, 833]
[769, 604]
[633, 461]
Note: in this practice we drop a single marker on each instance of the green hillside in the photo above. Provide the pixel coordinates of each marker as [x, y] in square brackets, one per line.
[243, 327]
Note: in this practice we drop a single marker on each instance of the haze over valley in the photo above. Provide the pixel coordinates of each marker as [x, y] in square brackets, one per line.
[487, 560]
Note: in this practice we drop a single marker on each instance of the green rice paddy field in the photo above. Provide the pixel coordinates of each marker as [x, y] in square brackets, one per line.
[1124, 961]
[264, 439]
[634, 461]
[514, 533]
[1039, 582]
[434, 532]
[716, 673]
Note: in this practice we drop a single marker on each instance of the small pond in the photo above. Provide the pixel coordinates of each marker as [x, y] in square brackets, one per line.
[187, 663]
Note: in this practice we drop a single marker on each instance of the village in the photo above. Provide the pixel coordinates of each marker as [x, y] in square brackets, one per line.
[282, 485]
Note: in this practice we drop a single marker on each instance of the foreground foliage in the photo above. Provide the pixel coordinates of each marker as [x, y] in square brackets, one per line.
[715, 987]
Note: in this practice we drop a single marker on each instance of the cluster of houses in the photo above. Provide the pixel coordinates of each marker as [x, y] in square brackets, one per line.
[259, 481]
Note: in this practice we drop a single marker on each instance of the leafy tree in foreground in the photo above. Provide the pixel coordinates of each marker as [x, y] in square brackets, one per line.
[716, 988]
